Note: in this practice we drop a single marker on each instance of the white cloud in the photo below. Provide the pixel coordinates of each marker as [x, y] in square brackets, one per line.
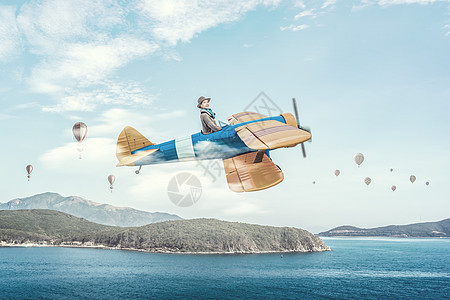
[50, 25]
[306, 13]
[105, 92]
[181, 20]
[5, 117]
[81, 45]
[96, 151]
[328, 3]
[396, 2]
[300, 4]
[114, 120]
[10, 40]
[294, 27]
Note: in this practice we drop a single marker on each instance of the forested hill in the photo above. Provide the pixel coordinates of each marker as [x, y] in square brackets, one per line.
[198, 235]
[429, 229]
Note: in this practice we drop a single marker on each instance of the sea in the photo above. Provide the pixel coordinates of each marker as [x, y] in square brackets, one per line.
[357, 268]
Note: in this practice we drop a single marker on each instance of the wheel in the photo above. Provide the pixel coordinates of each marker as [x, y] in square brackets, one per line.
[137, 172]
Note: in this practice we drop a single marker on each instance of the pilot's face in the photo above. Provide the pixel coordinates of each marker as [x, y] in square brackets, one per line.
[205, 104]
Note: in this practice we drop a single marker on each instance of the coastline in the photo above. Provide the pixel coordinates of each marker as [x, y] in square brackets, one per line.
[162, 251]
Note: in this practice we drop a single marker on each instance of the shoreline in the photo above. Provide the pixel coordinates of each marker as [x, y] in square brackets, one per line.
[385, 237]
[36, 245]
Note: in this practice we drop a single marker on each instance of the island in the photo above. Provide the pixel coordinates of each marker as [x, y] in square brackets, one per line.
[439, 229]
[38, 227]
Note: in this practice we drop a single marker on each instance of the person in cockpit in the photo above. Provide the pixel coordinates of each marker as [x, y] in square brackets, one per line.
[207, 116]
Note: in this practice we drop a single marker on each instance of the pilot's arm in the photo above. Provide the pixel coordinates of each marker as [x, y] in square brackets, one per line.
[209, 123]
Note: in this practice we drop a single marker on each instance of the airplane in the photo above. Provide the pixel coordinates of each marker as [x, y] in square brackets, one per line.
[244, 146]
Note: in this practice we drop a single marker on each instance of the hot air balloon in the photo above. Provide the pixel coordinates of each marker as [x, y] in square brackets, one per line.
[358, 158]
[314, 182]
[427, 183]
[412, 178]
[29, 169]
[79, 131]
[393, 187]
[111, 179]
[337, 172]
[391, 169]
[367, 180]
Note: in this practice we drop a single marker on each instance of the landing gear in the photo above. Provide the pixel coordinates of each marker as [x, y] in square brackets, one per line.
[138, 171]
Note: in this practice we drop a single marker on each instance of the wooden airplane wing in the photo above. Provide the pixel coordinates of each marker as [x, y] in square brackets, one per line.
[244, 117]
[244, 175]
[271, 134]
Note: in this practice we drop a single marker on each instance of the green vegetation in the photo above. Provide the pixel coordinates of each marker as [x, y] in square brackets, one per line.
[429, 229]
[198, 235]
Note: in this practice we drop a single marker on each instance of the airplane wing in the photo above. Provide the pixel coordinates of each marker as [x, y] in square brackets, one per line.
[244, 117]
[243, 175]
[271, 134]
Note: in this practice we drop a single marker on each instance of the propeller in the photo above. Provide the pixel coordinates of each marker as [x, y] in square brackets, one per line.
[308, 129]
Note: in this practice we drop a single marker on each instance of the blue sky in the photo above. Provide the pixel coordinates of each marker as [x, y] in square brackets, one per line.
[370, 77]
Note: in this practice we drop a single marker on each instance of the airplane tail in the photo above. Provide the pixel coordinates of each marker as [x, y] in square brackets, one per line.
[130, 140]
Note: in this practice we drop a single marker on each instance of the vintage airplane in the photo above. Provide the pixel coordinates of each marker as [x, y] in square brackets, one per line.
[244, 147]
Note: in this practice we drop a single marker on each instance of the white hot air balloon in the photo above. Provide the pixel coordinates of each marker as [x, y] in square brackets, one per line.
[412, 178]
[111, 180]
[358, 158]
[393, 188]
[367, 180]
[79, 131]
[337, 172]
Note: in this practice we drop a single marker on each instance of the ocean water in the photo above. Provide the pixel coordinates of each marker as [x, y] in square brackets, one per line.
[357, 268]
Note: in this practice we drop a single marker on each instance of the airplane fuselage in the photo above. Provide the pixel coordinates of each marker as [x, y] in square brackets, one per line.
[222, 144]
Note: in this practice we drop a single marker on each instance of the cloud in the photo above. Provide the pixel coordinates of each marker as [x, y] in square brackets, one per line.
[96, 151]
[397, 2]
[306, 13]
[294, 27]
[80, 46]
[181, 20]
[328, 3]
[5, 117]
[10, 40]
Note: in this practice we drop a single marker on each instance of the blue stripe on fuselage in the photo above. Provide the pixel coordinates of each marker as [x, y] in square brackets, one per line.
[217, 145]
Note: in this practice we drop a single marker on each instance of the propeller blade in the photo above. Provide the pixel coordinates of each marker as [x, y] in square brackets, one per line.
[296, 112]
[303, 150]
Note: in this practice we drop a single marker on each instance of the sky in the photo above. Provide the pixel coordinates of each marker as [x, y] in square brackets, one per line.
[369, 76]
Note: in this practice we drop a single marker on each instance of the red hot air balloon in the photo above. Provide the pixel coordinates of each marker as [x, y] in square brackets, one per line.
[337, 172]
[29, 169]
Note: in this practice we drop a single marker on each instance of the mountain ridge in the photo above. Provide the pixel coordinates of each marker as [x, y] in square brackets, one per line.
[105, 214]
[424, 229]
